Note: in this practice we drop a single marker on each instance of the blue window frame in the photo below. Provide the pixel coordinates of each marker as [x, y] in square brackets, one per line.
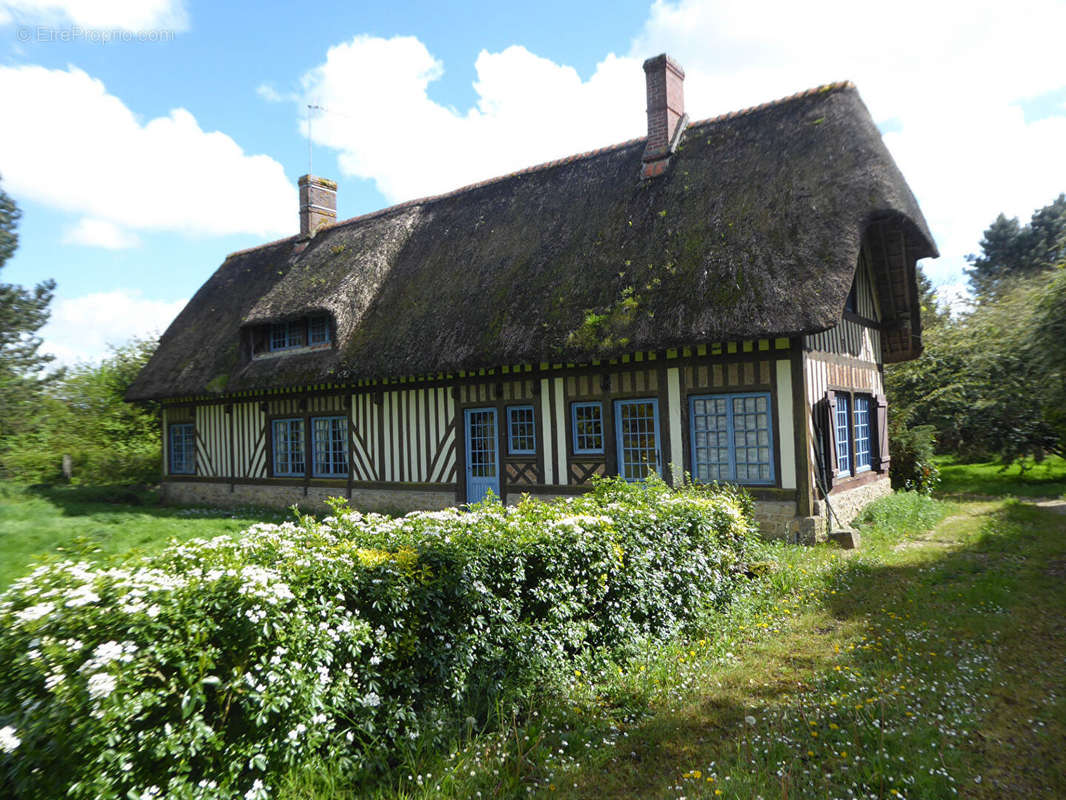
[318, 330]
[287, 335]
[288, 443]
[861, 431]
[329, 443]
[637, 432]
[308, 332]
[182, 450]
[732, 438]
[521, 431]
[586, 421]
[843, 440]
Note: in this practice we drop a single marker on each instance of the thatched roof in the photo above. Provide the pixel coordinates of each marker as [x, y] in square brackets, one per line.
[753, 231]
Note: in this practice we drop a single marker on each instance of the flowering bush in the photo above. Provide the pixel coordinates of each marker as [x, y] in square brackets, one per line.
[208, 670]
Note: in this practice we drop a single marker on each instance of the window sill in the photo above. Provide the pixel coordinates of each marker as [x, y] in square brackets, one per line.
[314, 348]
[845, 483]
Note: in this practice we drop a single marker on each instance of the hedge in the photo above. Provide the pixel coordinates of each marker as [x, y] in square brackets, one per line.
[209, 670]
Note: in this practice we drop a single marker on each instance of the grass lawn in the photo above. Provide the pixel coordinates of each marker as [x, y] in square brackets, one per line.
[926, 665]
[87, 523]
[989, 478]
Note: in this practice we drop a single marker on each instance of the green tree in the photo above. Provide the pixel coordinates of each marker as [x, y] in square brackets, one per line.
[1049, 348]
[22, 313]
[85, 416]
[984, 382]
[1010, 251]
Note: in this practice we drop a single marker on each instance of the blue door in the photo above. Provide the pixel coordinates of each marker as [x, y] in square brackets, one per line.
[637, 429]
[482, 454]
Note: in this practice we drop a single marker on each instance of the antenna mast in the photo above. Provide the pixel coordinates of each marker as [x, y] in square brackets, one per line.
[311, 107]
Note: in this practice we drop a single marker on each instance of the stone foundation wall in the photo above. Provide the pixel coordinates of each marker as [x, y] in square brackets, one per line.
[776, 518]
[773, 517]
[847, 505]
[219, 494]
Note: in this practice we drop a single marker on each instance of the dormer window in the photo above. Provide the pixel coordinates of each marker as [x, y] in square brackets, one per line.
[318, 331]
[313, 332]
[307, 332]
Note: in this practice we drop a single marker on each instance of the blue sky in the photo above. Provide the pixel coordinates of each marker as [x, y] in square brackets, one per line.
[140, 161]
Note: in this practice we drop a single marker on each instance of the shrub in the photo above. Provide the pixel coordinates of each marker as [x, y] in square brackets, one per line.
[912, 467]
[210, 669]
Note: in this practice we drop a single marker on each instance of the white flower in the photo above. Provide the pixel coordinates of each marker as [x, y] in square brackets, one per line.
[107, 652]
[375, 660]
[81, 596]
[257, 792]
[372, 700]
[8, 740]
[53, 680]
[282, 591]
[101, 685]
[749, 719]
[34, 612]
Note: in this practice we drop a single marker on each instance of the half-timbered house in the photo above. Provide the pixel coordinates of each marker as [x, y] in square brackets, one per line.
[717, 298]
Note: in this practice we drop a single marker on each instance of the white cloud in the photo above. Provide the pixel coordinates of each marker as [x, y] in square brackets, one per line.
[955, 297]
[67, 143]
[272, 95]
[125, 15]
[81, 328]
[100, 233]
[949, 81]
[529, 110]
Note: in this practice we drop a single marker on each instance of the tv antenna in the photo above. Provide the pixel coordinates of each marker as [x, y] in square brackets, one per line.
[311, 107]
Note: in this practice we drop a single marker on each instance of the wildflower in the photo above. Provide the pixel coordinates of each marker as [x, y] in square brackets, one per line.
[8, 740]
[749, 719]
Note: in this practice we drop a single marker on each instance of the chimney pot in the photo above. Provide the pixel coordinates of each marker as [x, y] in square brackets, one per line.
[318, 204]
[666, 112]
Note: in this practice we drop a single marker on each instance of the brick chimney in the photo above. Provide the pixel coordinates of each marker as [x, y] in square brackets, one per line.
[666, 113]
[318, 204]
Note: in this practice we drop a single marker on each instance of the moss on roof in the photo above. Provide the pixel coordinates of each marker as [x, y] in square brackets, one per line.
[753, 231]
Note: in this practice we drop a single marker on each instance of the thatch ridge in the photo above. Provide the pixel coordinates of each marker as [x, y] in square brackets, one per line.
[560, 161]
[754, 231]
